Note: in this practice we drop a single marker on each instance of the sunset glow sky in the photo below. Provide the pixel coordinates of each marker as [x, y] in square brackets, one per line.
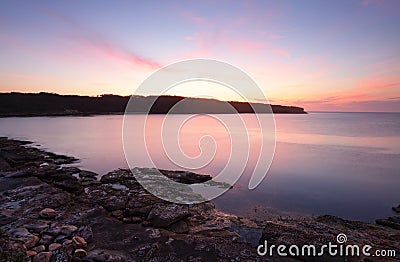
[321, 55]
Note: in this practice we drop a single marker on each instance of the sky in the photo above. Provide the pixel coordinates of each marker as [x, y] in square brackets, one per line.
[320, 55]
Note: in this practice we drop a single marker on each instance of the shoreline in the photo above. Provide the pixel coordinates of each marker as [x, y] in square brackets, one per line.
[49, 210]
[123, 113]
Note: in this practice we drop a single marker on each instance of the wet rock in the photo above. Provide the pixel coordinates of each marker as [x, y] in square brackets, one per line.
[114, 203]
[68, 246]
[136, 208]
[48, 213]
[54, 246]
[153, 232]
[4, 164]
[184, 233]
[324, 229]
[37, 227]
[20, 232]
[25, 236]
[87, 183]
[79, 242]
[68, 230]
[15, 174]
[43, 257]
[180, 227]
[118, 213]
[53, 231]
[60, 238]
[39, 249]
[106, 256]
[138, 211]
[396, 209]
[60, 255]
[31, 253]
[46, 239]
[71, 184]
[31, 241]
[85, 232]
[186, 177]
[132, 220]
[146, 223]
[11, 248]
[163, 215]
[87, 174]
[80, 253]
[4, 219]
[71, 170]
[393, 222]
[117, 176]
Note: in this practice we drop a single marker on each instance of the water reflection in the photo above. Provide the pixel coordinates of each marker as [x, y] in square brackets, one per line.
[341, 164]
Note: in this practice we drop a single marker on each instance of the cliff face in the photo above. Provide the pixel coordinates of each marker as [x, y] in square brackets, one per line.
[21, 104]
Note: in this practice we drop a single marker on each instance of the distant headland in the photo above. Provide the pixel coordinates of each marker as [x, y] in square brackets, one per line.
[50, 104]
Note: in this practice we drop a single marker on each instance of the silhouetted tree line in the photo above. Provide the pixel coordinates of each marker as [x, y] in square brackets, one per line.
[19, 104]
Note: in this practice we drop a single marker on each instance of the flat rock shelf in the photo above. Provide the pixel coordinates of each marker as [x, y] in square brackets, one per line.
[50, 211]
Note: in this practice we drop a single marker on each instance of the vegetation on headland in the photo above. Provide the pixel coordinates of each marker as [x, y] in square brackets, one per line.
[38, 104]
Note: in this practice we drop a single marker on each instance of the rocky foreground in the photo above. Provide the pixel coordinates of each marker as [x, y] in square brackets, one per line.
[50, 211]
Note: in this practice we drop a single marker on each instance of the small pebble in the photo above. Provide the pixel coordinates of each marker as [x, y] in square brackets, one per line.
[79, 242]
[48, 213]
[80, 253]
[54, 246]
[31, 253]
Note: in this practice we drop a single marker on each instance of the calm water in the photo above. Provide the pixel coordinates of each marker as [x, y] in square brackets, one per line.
[344, 164]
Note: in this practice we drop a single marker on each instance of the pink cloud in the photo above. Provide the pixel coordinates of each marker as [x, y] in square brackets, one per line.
[378, 83]
[275, 37]
[191, 17]
[349, 103]
[209, 42]
[368, 94]
[390, 66]
[281, 52]
[371, 2]
[236, 37]
[26, 76]
[90, 41]
[106, 48]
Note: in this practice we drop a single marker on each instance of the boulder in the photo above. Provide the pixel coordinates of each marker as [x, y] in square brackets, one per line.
[163, 215]
[71, 185]
[114, 203]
